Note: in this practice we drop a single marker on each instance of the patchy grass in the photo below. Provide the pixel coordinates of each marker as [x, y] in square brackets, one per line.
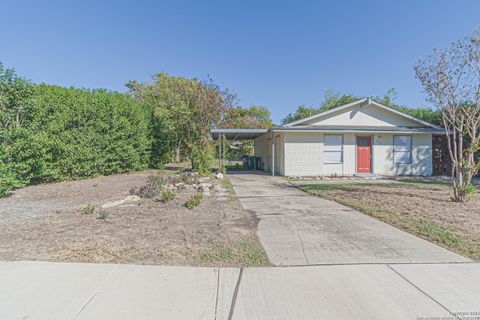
[90, 209]
[103, 214]
[423, 209]
[227, 184]
[167, 195]
[194, 200]
[422, 182]
[437, 232]
[245, 253]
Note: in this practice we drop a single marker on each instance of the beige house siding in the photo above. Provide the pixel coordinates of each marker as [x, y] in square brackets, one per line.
[370, 115]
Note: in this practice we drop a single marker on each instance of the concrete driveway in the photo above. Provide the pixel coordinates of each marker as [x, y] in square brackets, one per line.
[299, 229]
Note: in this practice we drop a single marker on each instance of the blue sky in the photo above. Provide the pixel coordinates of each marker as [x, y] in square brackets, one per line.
[273, 53]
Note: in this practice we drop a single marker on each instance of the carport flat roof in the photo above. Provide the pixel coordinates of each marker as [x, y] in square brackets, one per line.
[238, 134]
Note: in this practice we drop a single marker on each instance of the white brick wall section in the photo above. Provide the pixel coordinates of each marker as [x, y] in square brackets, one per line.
[422, 154]
[303, 154]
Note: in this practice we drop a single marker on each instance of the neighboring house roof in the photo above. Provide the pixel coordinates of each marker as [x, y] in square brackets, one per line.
[364, 101]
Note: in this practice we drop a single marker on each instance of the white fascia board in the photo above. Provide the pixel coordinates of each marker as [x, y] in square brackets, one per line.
[357, 131]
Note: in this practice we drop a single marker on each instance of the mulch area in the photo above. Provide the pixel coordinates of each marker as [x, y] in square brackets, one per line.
[48, 222]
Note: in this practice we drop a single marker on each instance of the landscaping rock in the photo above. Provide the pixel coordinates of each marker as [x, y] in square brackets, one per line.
[219, 176]
[127, 199]
[206, 186]
[218, 188]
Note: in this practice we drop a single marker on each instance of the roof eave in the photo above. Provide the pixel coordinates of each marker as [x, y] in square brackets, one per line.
[406, 131]
[366, 101]
[326, 112]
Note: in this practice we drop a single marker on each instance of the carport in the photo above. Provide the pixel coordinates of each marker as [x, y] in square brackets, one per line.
[240, 134]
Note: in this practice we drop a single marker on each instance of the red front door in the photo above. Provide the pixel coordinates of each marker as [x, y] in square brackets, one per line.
[364, 154]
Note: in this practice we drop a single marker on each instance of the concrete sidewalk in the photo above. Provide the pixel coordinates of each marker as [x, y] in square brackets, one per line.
[46, 290]
[296, 228]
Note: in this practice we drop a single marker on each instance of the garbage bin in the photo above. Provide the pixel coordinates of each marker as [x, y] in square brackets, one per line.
[251, 162]
[258, 163]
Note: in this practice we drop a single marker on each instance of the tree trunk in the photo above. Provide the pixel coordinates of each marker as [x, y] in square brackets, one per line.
[177, 151]
[193, 163]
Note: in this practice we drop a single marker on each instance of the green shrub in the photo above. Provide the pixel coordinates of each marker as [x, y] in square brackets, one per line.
[90, 209]
[167, 196]
[194, 200]
[8, 182]
[470, 188]
[203, 157]
[103, 214]
[51, 133]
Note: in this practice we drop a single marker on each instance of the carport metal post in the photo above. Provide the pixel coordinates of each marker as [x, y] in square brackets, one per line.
[222, 148]
[273, 154]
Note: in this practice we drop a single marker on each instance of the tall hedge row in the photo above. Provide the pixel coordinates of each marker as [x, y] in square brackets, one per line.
[51, 133]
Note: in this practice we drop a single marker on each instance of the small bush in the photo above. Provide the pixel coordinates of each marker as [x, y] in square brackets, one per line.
[159, 182]
[194, 200]
[90, 209]
[469, 189]
[146, 191]
[167, 196]
[7, 183]
[102, 214]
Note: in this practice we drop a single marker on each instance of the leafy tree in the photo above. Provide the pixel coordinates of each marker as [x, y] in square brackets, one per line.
[301, 113]
[210, 104]
[422, 113]
[331, 100]
[15, 94]
[184, 112]
[451, 78]
[253, 117]
[171, 99]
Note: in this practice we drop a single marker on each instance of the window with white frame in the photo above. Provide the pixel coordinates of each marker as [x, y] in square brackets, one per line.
[333, 148]
[402, 149]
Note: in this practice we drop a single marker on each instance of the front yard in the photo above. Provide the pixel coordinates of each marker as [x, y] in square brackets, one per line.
[419, 207]
[124, 219]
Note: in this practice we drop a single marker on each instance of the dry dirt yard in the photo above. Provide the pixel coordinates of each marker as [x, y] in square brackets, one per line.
[66, 222]
[421, 207]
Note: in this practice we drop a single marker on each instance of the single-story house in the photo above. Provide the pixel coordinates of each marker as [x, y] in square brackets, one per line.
[359, 138]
